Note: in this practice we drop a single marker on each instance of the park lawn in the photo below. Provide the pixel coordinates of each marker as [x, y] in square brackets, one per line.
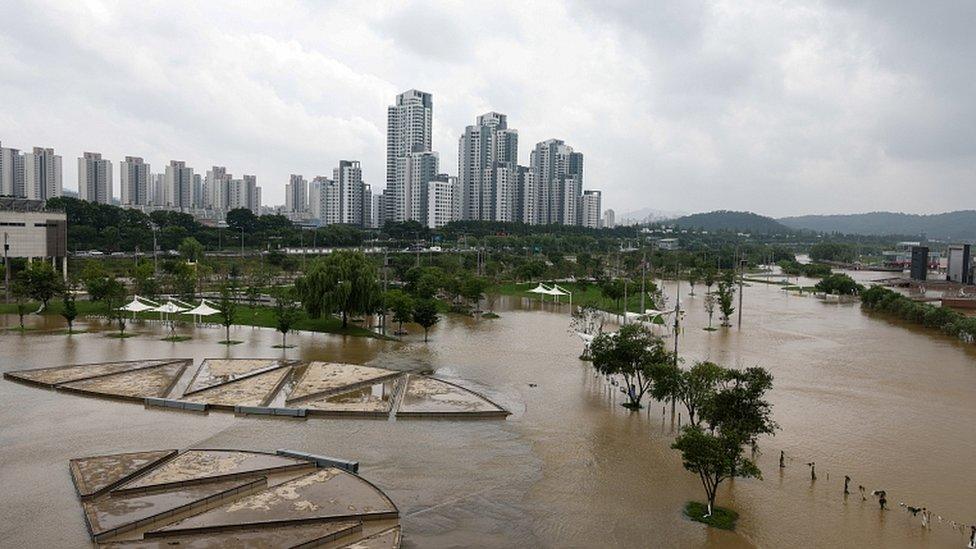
[245, 316]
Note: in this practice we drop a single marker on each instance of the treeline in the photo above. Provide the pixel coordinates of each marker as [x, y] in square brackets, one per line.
[946, 320]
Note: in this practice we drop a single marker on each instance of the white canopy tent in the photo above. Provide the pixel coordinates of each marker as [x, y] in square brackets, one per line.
[168, 308]
[137, 305]
[203, 309]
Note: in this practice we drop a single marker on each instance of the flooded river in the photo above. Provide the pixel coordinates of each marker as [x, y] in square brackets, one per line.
[889, 404]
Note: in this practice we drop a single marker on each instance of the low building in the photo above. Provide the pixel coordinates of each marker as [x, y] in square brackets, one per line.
[29, 230]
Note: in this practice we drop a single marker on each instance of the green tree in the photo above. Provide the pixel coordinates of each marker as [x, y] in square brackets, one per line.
[343, 282]
[694, 275]
[425, 314]
[191, 249]
[632, 352]
[114, 299]
[19, 290]
[473, 288]
[144, 279]
[710, 307]
[185, 281]
[228, 306]
[42, 282]
[726, 296]
[840, 284]
[401, 305]
[613, 289]
[737, 413]
[68, 309]
[287, 312]
[695, 388]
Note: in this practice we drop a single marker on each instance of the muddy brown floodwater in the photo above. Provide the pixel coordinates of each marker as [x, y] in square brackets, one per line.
[890, 405]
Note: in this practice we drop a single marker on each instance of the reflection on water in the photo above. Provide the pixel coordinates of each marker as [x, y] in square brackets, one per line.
[890, 405]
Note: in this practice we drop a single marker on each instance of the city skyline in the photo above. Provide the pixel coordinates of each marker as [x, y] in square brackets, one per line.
[680, 108]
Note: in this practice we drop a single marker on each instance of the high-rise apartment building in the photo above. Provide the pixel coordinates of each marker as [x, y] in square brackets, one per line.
[11, 172]
[589, 209]
[315, 195]
[408, 197]
[296, 194]
[134, 182]
[526, 197]
[216, 188]
[42, 174]
[244, 193]
[559, 176]
[157, 194]
[408, 131]
[443, 201]
[95, 178]
[609, 219]
[482, 149]
[178, 186]
[348, 178]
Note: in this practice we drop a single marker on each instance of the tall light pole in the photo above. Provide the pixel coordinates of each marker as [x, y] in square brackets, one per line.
[6, 269]
[242, 242]
[154, 228]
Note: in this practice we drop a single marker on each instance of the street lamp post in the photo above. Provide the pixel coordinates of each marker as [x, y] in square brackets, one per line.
[242, 242]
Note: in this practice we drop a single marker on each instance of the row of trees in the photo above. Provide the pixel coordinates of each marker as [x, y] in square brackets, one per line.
[727, 408]
[948, 321]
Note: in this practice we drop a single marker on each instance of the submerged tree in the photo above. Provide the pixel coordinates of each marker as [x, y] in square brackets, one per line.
[732, 418]
[228, 306]
[425, 314]
[114, 298]
[401, 305]
[19, 290]
[287, 312]
[42, 282]
[68, 309]
[726, 295]
[695, 388]
[710, 308]
[632, 352]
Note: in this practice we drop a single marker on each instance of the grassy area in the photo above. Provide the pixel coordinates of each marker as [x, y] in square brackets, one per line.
[245, 316]
[721, 517]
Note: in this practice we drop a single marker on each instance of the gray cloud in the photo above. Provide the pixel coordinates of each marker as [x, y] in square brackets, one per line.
[747, 104]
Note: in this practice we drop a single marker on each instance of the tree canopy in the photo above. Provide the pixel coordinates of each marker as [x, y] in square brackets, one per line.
[343, 282]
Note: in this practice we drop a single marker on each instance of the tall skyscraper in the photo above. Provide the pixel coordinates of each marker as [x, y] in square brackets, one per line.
[95, 178]
[296, 194]
[315, 195]
[589, 209]
[134, 182]
[197, 198]
[408, 197]
[526, 197]
[609, 219]
[408, 130]
[157, 194]
[482, 150]
[178, 186]
[42, 174]
[348, 178]
[559, 175]
[11, 172]
[244, 193]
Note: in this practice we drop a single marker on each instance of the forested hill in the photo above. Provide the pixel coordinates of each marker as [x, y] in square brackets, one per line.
[724, 220]
[959, 225]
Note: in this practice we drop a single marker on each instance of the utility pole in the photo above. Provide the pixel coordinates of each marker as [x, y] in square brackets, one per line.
[6, 268]
[742, 274]
[643, 278]
[242, 242]
[677, 313]
[625, 301]
[155, 252]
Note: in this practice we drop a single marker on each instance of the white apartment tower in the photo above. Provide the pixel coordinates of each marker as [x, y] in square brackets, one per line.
[559, 176]
[178, 185]
[95, 178]
[315, 190]
[609, 219]
[408, 130]
[589, 209]
[443, 201]
[134, 182]
[42, 174]
[482, 149]
[296, 194]
[216, 188]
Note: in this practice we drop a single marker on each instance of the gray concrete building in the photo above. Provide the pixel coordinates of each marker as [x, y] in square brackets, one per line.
[443, 201]
[134, 183]
[296, 194]
[348, 178]
[559, 175]
[589, 209]
[29, 230]
[178, 186]
[95, 178]
[11, 172]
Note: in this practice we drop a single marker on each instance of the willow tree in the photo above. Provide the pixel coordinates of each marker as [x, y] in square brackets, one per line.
[343, 282]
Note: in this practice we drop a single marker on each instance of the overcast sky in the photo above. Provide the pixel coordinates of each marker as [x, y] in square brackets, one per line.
[776, 107]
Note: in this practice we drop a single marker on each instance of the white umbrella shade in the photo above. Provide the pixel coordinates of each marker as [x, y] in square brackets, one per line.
[135, 306]
[168, 307]
[202, 310]
[556, 290]
[540, 289]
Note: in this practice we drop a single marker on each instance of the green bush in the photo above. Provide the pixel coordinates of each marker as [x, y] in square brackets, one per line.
[946, 320]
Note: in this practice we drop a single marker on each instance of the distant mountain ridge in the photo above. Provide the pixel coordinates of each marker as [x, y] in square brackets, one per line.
[726, 220]
[957, 225]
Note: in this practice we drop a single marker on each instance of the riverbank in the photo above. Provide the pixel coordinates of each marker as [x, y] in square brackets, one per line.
[263, 317]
